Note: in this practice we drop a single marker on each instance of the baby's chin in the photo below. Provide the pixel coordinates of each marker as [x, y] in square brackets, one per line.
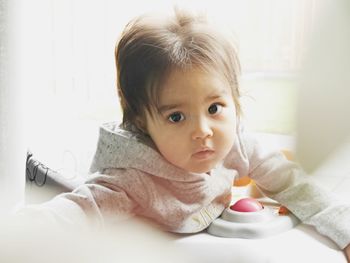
[191, 166]
[200, 169]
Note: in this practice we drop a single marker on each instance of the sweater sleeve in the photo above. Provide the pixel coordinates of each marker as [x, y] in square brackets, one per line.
[285, 182]
[96, 203]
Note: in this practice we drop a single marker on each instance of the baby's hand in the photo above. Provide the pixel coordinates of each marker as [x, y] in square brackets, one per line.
[225, 200]
[347, 253]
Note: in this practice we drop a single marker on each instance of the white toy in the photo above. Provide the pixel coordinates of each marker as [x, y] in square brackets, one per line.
[250, 218]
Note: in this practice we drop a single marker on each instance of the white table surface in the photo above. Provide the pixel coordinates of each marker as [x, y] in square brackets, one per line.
[300, 244]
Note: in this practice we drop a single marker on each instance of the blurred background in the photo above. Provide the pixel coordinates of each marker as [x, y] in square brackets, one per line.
[67, 55]
[60, 56]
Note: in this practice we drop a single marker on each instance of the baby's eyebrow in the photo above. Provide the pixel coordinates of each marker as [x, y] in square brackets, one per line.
[168, 107]
[216, 95]
[213, 97]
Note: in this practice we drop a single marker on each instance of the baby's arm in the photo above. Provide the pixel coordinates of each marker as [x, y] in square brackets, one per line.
[92, 204]
[286, 182]
[347, 253]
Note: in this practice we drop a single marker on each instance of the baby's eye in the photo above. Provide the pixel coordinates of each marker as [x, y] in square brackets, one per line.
[215, 108]
[176, 117]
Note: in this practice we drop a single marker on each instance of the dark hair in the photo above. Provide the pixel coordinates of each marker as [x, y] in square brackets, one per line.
[150, 47]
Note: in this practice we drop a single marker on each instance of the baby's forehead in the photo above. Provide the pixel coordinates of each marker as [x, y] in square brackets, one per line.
[187, 88]
[182, 82]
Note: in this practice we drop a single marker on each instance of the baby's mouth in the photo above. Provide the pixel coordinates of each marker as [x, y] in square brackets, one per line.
[203, 154]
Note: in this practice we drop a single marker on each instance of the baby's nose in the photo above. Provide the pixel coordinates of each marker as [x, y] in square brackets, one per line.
[201, 129]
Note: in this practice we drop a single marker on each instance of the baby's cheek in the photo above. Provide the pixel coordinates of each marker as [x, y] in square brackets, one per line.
[171, 149]
[226, 139]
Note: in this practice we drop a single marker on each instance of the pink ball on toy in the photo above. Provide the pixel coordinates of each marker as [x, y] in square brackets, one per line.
[247, 205]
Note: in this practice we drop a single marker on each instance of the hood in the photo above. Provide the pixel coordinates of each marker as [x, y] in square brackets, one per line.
[124, 149]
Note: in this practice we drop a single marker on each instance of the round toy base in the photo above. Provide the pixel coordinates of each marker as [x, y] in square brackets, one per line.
[270, 224]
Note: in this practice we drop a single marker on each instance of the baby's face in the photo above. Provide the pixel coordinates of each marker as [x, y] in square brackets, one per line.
[195, 126]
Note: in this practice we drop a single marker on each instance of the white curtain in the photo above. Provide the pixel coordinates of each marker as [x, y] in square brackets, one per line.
[12, 147]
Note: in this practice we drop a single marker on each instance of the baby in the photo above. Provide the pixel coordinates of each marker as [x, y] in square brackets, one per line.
[181, 143]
